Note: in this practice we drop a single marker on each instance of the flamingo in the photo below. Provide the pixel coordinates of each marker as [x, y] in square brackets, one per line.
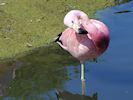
[84, 38]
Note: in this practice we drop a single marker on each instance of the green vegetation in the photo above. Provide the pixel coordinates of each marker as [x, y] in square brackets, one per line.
[28, 24]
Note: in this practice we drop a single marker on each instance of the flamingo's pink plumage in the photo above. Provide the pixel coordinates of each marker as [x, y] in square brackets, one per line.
[84, 46]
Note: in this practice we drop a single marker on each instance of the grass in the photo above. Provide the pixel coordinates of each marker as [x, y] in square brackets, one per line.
[28, 24]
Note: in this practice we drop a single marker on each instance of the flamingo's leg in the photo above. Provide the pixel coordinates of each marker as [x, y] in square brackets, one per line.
[82, 72]
[82, 79]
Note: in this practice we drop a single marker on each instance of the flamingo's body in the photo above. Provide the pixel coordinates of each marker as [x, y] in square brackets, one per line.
[84, 38]
[84, 46]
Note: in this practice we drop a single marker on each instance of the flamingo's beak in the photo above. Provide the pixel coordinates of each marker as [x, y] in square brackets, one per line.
[82, 31]
[78, 29]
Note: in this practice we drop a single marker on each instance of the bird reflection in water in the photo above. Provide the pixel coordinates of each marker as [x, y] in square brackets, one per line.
[64, 95]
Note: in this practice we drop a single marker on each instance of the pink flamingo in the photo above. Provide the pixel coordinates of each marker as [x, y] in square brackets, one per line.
[84, 38]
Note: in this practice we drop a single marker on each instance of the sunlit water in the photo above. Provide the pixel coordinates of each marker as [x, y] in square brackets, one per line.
[41, 72]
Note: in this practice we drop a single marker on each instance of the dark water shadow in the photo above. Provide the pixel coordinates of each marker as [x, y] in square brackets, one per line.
[123, 11]
[39, 71]
[33, 76]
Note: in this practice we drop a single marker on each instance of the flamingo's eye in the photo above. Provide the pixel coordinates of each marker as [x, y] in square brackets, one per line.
[72, 21]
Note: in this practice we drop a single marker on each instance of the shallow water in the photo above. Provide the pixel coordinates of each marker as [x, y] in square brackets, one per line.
[37, 75]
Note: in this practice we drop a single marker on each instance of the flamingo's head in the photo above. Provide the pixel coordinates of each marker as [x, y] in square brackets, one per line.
[74, 19]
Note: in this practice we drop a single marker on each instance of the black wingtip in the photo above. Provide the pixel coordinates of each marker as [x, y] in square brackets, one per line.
[57, 39]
